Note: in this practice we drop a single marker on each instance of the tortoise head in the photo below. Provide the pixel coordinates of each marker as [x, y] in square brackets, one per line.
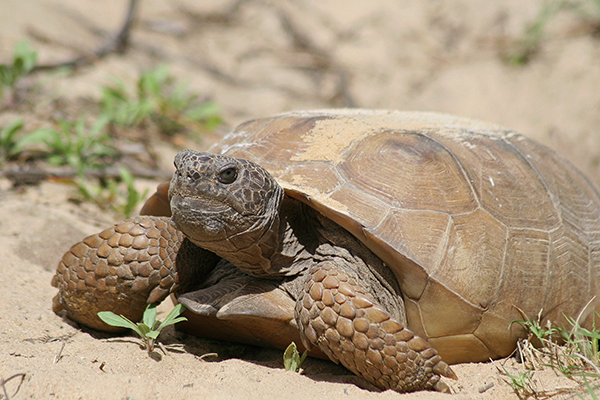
[219, 201]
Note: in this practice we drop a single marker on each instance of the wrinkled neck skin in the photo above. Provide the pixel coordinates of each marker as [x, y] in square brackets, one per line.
[273, 245]
[248, 242]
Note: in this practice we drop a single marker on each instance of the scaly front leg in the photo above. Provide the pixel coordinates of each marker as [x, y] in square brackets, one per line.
[123, 268]
[336, 313]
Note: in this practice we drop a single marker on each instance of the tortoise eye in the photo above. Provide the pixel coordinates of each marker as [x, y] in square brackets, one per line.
[228, 175]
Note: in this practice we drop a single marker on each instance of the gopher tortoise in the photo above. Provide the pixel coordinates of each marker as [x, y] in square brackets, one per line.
[393, 242]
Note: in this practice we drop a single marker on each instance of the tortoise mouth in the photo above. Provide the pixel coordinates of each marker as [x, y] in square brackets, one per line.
[201, 220]
[192, 210]
[208, 205]
[198, 205]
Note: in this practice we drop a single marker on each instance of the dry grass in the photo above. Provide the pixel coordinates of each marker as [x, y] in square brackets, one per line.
[573, 353]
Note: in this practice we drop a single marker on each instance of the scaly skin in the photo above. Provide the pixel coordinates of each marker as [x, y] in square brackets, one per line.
[235, 209]
[337, 314]
[120, 269]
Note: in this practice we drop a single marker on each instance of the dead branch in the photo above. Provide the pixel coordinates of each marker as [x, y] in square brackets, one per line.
[116, 44]
[20, 176]
[321, 60]
[5, 381]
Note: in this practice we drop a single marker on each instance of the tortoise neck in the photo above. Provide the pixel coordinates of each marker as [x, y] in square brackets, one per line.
[275, 252]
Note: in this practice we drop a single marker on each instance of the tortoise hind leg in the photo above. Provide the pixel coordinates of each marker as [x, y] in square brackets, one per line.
[335, 313]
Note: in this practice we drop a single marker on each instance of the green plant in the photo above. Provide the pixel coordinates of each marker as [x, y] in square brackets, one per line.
[74, 143]
[104, 193]
[23, 62]
[123, 109]
[149, 328]
[574, 353]
[520, 382]
[585, 342]
[591, 390]
[292, 360]
[589, 13]
[10, 144]
[158, 100]
[108, 194]
[524, 49]
[133, 196]
[521, 51]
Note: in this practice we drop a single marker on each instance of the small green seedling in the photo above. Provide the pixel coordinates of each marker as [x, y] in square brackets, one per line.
[23, 62]
[109, 194]
[75, 143]
[133, 196]
[534, 34]
[10, 145]
[521, 382]
[292, 360]
[159, 101]
[573, 353]
[147, 329]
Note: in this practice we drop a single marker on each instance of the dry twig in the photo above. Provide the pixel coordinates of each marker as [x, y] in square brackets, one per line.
[5, 381]
[116, 44]
[21, 176]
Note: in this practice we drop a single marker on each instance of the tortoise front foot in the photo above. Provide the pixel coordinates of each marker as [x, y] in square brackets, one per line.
[335, 313]
[120, 269]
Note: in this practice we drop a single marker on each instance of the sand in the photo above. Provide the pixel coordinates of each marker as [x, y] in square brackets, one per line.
[256, 59]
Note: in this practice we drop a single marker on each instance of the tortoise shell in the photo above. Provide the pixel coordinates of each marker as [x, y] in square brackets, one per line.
[480, 225]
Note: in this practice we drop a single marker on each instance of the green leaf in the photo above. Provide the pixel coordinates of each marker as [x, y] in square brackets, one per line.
[120, 321]
[113, 319]
[39, 136]
[149, 318]
[172, 322]
[144, 329]
[27, 57]
[153, 334]
[302, 358]
[18, 69]
[172, 316]
[132, 194]
[4, 72]
[288, 356]
[291, 358]
[9, 146]
[204, 111]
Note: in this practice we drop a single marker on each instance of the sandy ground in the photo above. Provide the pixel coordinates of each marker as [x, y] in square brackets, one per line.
[257, 58]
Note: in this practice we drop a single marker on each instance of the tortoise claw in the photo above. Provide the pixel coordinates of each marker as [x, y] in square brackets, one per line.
[441, 368]
[441, 387]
